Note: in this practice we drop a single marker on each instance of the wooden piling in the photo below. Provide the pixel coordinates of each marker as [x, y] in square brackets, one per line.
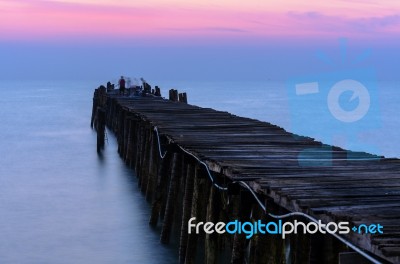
[94, 107]
[120, 128]
[199, 208]
[162, 178]
[144, 168]
[212, 240]
[316, 248]
[187, 209]
[183, 98]
[300, 244]
[139, 150]
[259, 243]
[173, 95]
[131, 153]
[242, 205]
[124, 139]
[101, 128]
[153, 166]
[157, 91]
[171, 200]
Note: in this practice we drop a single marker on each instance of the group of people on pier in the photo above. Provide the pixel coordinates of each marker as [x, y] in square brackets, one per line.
[125, 88]
[124, 85]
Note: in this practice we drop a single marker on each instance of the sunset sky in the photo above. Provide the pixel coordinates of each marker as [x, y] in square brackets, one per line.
[86, 29]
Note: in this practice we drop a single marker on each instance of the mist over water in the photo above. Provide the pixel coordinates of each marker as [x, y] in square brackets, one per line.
[62, 203]
[59, 201]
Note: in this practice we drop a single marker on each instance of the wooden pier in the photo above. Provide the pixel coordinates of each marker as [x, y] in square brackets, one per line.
[198, 162]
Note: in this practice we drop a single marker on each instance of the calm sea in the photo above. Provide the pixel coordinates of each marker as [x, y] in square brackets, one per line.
[62, 203]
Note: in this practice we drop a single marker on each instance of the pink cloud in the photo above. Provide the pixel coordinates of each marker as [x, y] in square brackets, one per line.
[364, 26]
[59, 20]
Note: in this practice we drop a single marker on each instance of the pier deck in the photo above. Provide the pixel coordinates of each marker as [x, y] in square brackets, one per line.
[297, 173]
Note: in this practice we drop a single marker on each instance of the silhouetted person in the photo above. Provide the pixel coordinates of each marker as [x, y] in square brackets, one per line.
[121, 84]
[110, 87]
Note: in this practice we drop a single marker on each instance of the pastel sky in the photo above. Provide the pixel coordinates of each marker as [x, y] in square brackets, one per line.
[177, 39]
[224, 19]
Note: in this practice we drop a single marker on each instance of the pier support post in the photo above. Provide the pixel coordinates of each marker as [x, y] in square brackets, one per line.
[259, 243]
[242, 205]
[101, 128]
[162, 178]
[131, 154]
[120, 129]
[187, 208]
[124, 139]
[145, 162]
[139, 149]
[157, 91]
[183, 98]
[300, 244]
[94, 107]
[316, 248]
[199, 207]
[211, 242]
[173, 95]
[275, 244]
[324, 249]
[153, 165]
[171, 200]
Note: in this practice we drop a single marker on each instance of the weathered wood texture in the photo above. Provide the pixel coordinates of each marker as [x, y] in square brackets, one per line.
[296, 173]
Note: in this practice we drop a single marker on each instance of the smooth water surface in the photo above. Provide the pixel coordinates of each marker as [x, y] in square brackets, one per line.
[59, 201]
